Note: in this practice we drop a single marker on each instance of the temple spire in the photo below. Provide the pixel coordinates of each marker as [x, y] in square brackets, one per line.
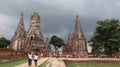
[78, 30]
[21, 22]
[21, 18]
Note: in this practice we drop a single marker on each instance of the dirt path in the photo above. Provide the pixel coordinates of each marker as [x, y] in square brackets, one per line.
[40, 61]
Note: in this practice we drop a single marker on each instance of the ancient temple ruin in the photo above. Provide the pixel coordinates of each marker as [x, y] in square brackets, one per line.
[33, 38]
[76, 42]
[28, 40]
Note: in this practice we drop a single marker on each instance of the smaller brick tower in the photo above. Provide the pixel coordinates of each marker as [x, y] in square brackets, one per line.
[76, 42]
[79, 40]
[18, 40]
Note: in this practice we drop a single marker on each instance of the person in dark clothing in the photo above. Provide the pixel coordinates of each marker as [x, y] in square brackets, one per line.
[29, 59]
[35, 59]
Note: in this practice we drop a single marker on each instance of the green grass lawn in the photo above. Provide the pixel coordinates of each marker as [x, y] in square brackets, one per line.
[44, 64]
[93, 65]
[13, 63]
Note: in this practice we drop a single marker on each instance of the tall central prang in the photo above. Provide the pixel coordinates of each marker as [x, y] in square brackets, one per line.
[34, 32]
[34, 38]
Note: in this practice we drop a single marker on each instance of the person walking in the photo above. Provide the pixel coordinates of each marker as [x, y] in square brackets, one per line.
[35, 59]
[29, 59]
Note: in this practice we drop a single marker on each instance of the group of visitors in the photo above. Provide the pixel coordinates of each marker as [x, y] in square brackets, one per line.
[31, 57]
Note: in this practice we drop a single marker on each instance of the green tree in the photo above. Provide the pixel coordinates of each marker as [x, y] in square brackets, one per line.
[36, 49]
[106, 38]
[4, 42]
[56, 42]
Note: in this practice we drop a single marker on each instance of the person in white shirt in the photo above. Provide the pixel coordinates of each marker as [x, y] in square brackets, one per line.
[35, 59]
[29, 59]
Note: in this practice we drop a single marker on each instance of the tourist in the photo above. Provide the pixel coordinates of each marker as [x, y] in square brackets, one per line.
[29, 59]
[78, 55]
[35, 59]
[73, 55]
[41, 54]
[67, 55]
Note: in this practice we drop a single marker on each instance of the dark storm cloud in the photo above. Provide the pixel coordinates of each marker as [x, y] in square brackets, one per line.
[57, 16]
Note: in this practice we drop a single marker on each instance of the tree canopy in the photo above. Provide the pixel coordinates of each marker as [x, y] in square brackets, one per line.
[57, 42]
[36, 49]
[4, 42]
[106, 38]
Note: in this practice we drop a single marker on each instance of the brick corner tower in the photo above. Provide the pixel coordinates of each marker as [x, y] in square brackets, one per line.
[18, 40]
[76, 42]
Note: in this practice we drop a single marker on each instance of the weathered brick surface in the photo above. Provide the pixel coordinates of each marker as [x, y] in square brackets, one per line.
[7, 55]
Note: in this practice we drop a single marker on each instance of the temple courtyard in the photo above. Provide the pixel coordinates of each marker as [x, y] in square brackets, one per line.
[61, 62]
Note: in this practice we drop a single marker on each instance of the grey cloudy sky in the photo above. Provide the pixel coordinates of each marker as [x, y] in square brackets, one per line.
[57, 16]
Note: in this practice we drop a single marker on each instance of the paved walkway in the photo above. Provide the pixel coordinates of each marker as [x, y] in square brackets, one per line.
[40, 61]
[55, 62]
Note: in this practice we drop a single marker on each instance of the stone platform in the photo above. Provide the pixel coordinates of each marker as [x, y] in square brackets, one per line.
[91, 60]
